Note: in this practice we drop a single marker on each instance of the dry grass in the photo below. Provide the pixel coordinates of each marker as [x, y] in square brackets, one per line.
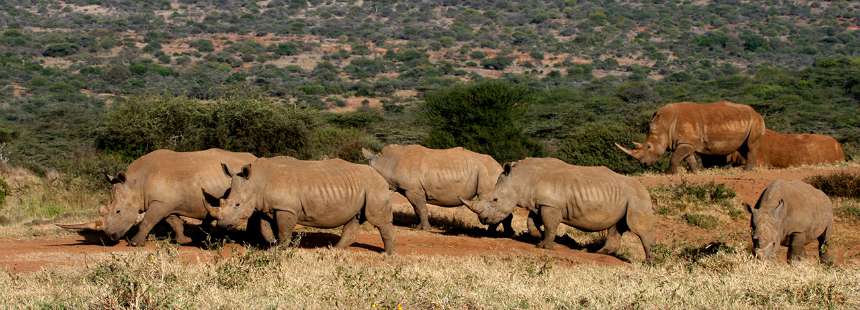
[327, 278]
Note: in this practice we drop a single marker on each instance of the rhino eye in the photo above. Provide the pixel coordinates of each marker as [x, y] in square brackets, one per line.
[117, 211]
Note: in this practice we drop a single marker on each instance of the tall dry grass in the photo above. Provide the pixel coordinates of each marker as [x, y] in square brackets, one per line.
[329, 278]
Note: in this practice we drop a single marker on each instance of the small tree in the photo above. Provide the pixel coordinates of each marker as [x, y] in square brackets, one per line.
[485, 117]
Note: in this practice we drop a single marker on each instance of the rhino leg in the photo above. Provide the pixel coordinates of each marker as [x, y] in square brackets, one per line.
[266, 230]
[550, 217]
[694, 163]
[347, 237]
[386, 231]
[507, 225]
[681, 153]
[178, 226]
[795, 247]
[640, 220]
[534, 223]
[419, 203]
[286, 222]
[823, 244]
[613, 240]
[157, 211]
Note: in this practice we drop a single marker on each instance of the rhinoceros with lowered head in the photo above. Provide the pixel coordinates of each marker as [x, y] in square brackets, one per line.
[436, 176]
[687, 129]
[792, 214]
[323, 194]
[783, 150]
[587, 198]
[163, 185]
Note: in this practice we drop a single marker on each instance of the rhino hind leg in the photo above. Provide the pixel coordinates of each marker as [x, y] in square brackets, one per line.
[178, 226]
[823, 246]
[419, 203]
[613, 239]
[347, 237]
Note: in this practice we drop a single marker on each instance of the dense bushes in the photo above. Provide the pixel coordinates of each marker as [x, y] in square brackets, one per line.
[839, 184]
[592, 144]
[252, 124]
[485, 117]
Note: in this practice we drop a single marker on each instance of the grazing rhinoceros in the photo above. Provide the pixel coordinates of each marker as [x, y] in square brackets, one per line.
[163, 185]
[324, 194]
[792, 214]
[687, 128]
[439, 177]
[781, 150]
[587, 198]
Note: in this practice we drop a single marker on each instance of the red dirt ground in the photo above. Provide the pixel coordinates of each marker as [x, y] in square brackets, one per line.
[33, 254]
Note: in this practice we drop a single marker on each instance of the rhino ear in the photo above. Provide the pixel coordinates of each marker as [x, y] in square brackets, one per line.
[119, 178]
[508, 166]
[226, 170]
[246, 172]
[210, 200]
[368, 154]
[749, 208]
[779, 211]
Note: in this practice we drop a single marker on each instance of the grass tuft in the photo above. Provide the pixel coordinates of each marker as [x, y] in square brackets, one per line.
[839, 184]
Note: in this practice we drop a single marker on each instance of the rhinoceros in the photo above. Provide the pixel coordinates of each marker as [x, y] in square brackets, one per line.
[687, 128]
[792, 214]
[782, 150]
[436, 176]
[163, 185]
[324, 194]
[587, 198]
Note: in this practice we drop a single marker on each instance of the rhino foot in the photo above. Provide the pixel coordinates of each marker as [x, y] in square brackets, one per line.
[546, 245]
[184, 240]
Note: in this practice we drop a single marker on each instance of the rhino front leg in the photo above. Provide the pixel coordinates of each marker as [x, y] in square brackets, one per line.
[178, 226]
[266, 230]
[157, 212]
[419, 203]
[795, 247]
[534, 223]
[681, 153]
[507, 225]
[347, 237]
[550, 217]
[286, 221]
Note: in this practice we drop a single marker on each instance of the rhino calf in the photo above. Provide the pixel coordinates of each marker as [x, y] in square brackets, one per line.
[792, 214]
[324, 194]
[587, 198]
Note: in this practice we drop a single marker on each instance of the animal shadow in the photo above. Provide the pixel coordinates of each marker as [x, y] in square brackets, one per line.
[447, 225]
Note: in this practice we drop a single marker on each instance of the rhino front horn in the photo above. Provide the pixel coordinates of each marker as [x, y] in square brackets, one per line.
[96, 225]
[470, 205]
[625, 150]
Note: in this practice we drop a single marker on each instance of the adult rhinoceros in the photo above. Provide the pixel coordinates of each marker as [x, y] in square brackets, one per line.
[324, 194]
[435, 176]
[163, 185]
[782, 150]
[687, 128]
[587, 198]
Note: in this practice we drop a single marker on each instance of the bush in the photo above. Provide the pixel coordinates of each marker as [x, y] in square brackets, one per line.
[4, 191]
[203, 45]
[485, 117]
[60, 50]
[255, 125]
[840, 184]
[592, 145]
[343, 143]
[497, 63]
[703, 221]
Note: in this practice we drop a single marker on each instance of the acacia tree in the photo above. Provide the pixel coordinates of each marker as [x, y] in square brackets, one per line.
[485, 117]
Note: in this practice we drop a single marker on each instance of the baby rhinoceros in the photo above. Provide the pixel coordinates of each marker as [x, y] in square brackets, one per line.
[587, 198]
[792, 214]
[323, 194]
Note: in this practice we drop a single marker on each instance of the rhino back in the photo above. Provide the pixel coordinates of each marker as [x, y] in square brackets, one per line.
[325, 193]
[808, 209]
[781, 150]
[716, 128]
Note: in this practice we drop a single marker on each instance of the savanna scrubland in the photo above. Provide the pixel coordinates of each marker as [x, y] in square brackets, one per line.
[87, 86]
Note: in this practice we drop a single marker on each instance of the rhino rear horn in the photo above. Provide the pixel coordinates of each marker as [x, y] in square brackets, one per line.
[95, 225]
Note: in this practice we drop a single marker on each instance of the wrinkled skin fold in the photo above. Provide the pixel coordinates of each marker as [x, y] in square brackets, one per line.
[587, 198]
[792, 214]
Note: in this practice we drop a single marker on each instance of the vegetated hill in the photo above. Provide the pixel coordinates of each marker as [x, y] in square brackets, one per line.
[62, 63]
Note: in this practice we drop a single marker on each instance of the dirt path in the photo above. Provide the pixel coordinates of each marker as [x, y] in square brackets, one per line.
[33, 254]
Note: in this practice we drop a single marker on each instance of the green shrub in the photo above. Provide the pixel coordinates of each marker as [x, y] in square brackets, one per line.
[262, 127]
[847, 211]
[701, 220]
[203, 45]
[485, 117]
[60, 50]
[840, 184]
[343, 143]
[497, 63]
[592, 144]
[4, 191]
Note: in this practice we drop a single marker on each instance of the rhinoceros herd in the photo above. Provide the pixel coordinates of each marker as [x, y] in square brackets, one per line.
[229, 189]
